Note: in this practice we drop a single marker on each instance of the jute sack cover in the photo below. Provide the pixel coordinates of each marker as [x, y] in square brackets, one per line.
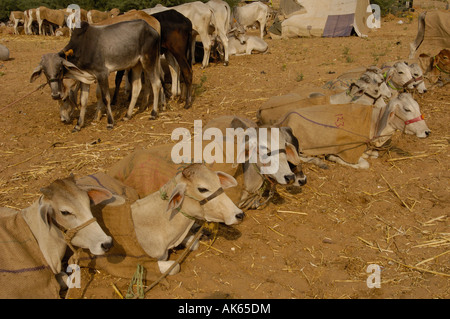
[437, 31]
[273, 109]
[147, 171]
[339, 129]
[116, 220]
[24, 272]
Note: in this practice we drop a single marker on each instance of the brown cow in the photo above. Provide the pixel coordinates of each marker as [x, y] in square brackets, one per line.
[436, 68]
[95, 16]
[57, 17]
[16, 17]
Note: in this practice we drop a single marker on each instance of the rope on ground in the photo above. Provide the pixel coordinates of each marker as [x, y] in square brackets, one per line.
[20, 99]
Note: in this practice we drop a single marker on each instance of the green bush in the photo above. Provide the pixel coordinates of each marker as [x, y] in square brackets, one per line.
[391, 6]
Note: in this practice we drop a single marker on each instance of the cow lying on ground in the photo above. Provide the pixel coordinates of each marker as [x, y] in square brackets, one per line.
[437, 68]
[94, 52]
[33, 242]
[344, 132]
[162, 219]
[367, 91]
[244, 46]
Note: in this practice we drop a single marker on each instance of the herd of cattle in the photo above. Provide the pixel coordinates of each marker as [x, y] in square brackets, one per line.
[346, 122]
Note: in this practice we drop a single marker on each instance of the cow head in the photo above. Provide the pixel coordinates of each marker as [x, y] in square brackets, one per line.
[400, 76]
[442, 61]
[417, 75]
[404, 115]
[55, 69]
[199, 194]
[66, 206]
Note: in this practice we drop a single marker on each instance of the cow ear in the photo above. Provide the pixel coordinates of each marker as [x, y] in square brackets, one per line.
[45, 211]
[99, 195]
[73, 72]
[226, 180]
[36, 73]
[176, 199]
[291, 154]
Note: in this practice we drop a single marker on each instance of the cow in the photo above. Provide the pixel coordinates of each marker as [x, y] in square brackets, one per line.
[93, 52]
[201, 16]
[399, 77]
[29, 18]
[436, 68]
[315, 135]
[222, 14]
[16, 17]
[250, 45]
[60, 217]
[95, 16]
[176, 39]
[249, 14]
[368, 90]
[433, 27]
[54, 17]
[163, 217]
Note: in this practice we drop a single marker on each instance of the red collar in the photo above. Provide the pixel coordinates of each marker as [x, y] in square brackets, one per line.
[414, 120]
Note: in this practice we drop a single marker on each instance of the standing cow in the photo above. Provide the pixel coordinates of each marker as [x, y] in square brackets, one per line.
[251, 13]
[16, 17]
[95, 51]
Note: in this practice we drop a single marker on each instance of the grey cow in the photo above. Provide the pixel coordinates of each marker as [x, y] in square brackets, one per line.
[94, 52]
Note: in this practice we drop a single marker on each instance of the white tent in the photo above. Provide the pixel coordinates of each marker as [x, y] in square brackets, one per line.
[328, 18]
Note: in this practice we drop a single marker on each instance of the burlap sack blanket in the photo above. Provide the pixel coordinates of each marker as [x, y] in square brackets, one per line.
[24, 272]
[437, 31]
[147, 171]
[277, 106]
[116, 220]
[340, 129]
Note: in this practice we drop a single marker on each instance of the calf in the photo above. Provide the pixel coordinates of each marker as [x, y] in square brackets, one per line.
[437, 68]
[95, 51]
[61, 217]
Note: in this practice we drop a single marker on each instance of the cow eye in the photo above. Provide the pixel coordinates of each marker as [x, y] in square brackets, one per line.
[400, 72]
[65, 213]
[406, 109]
[202, 190]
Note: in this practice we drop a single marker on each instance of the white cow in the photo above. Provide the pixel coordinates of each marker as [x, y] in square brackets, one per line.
[401, 113]
[251, 13]
[252, 45]
[16, 17]
[201, 16]
[162, 223]
[222, 13]
[60, 217]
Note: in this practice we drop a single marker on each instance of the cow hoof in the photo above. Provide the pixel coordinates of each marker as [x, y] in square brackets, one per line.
[110, 126]
[225, 63]
[76, 129]
[187, 106]
[125, 118]
[153, 115]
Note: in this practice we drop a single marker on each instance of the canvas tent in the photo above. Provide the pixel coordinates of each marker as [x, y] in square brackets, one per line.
[328, 18]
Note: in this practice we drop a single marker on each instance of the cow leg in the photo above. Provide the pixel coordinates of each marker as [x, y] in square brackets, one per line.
[153, 73]
[106, 98]
[100, 104]
[223, 37]
[84, 95]
[136, 86]
[206, 40]
[174, 69]
[186, 70]
[118, 81]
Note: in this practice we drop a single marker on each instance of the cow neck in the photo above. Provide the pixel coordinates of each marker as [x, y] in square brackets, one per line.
[384, 131]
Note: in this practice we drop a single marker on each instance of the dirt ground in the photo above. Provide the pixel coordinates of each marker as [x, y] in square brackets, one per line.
[395, 214]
